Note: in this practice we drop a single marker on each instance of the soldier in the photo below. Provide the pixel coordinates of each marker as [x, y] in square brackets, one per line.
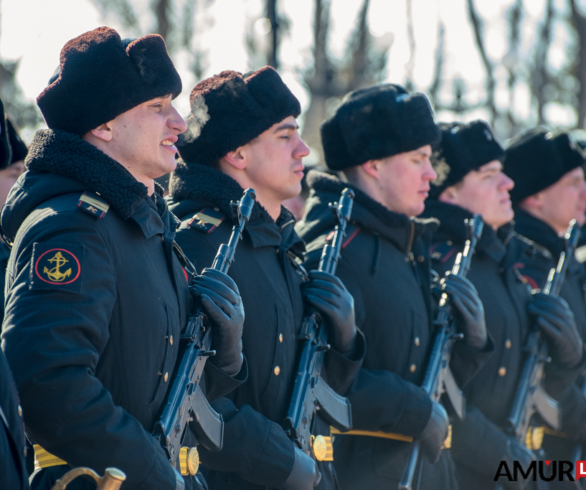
[242, 133]
[13, 474]
[549, 192]
[470, 180]
[381, 139]
[95, 298]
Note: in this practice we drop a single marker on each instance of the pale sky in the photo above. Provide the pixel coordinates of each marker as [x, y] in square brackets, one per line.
[34, 31]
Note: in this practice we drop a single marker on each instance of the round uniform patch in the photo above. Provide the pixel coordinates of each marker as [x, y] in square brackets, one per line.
[57, 266]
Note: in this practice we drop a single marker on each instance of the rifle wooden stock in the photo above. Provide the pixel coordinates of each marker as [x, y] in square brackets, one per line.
[186, 404]
[310, 391]
[438, 377]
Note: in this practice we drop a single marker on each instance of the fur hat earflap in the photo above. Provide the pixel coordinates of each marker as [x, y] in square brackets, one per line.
[101, 76]
[229, 110]
[464, 147]
[539, 158]
[19, 149]
[5, 148]
[377, 122]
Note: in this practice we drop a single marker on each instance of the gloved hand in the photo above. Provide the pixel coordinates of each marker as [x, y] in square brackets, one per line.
[179, 481]
[221, 301]
[557, 323]
[516, 452]
[330, 297]
[435, 433]
[304, 473]
[464, 297]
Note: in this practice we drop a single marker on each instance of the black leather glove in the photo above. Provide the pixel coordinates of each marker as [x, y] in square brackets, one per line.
[435, 433]
[516, 452]
[470, 310]
[303, 475]
[330, 297]
[221, 301]
[557, 323]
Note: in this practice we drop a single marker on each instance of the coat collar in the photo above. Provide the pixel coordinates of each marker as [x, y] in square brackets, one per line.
[540, 232]
[207, 186]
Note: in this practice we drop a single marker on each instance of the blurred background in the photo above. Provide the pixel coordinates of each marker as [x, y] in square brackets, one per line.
[514, 63]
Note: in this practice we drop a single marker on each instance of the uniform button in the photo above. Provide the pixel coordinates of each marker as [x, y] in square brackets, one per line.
[417, 341]
[281, 337]
[19, 411]
[508, 344]
[166, 378]
[502, 371]
[421, 258]
[413, 368]
[171, 340]
[277, 370]
[449, 242]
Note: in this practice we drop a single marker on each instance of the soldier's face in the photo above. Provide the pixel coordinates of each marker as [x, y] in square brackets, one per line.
[143, 138]
[404, 181]
[564, 201]
[274, 166]
[484, 191]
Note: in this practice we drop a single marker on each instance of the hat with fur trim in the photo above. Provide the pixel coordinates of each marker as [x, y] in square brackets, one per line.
[19, 149]
[230, 109]
[539, 158]
[464, 147]
[5, 149]
[101, 76]
[377, 122]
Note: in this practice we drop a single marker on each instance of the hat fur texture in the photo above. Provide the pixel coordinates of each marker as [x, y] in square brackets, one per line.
[464, 147]
[101, 77]
[377, 122]
[229, 110]
[539, 158]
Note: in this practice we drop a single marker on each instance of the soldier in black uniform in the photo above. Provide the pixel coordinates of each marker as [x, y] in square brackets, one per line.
[381, 139]
[549, 192]
[470, 180]
[242, 133]
[95, 297]
[13, 474]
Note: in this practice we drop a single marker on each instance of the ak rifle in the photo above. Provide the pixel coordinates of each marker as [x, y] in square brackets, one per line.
[438, 377]
[531, 398]
[186, 404]
[311, 393]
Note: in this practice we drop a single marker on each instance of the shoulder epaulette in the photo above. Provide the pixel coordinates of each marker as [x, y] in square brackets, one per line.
[93, 204]
[207, 220]
[442, 251]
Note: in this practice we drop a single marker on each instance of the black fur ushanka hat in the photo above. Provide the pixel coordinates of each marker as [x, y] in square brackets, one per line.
[464, 147]
[100, 77]
[229, 110]
[19, 149]
[539, 158]
[5, 149]
[377, 122]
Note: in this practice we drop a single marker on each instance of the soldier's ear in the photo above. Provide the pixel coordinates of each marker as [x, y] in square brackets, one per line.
[533, 202]
[449, 195]
[371, 167]
[103, 132]
[236, 159]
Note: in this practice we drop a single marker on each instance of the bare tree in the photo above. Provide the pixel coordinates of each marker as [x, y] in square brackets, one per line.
[578, 20]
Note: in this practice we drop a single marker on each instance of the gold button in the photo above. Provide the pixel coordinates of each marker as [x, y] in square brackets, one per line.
[449, 243]
[508, 344]
[171, 340]
[502, 371]
[277, 370]
[417, 341]
[19, 411]
[413, 368]
[166, 377]
[281, 337]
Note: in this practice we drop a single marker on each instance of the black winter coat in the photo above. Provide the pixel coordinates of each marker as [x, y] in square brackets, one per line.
[385, 265]
[257, 453]
[549, 246]
[478, 444]
[13, 474]
[93, 302]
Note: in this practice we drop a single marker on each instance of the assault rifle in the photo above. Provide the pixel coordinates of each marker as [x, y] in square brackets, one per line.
[311, 393]
[531, 398]
[186, 404]
[438, 377]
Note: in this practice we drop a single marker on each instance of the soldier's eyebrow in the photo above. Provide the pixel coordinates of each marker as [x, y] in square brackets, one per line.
[283, 126]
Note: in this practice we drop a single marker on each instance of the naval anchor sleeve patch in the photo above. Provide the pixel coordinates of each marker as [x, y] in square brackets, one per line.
[57, 266]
